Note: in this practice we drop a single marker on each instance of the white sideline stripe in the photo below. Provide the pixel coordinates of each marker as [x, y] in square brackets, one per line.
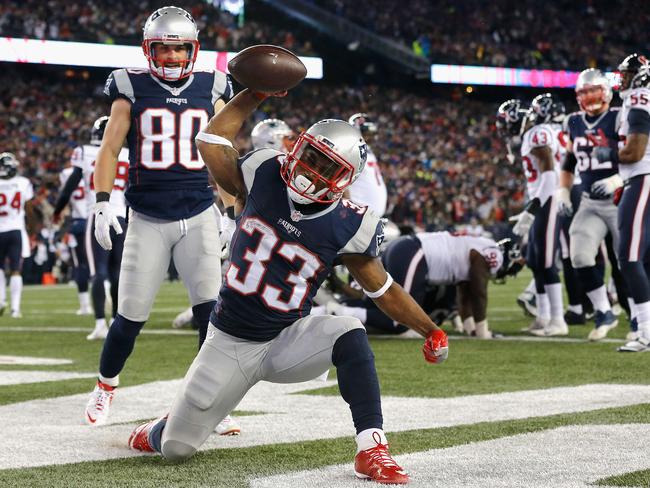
[21, 377]
[60, 431]
[32, 361]
[566, 457]
[521, 338]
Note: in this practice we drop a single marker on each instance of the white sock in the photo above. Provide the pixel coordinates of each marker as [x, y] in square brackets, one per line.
[109, 381]
[84, 300]
[554, 293]
[599, 299]
[469, 325]
[356, 312]
[369, 438]
[643, 309]
[543, 306]
[16, 290]
[3, 288]
[633, 311]
[577, 309]
[531, 287]
[100, 324]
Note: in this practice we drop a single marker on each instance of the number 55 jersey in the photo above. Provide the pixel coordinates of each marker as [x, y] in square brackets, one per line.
[167, 177]
[280, 256]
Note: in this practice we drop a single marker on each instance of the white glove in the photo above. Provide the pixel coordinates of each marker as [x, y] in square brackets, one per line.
[606, 186]
[563, 197]
[228, 227]
[523, 222]
[105, 218]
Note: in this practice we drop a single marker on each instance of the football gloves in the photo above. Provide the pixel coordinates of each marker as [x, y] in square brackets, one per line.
[227, 229]
[436, 347]
[564, 205]
[524, 220]
[606, 186]
[105, 219]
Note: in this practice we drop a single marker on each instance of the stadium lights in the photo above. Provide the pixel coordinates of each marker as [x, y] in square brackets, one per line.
[488, 75]
[15, 50]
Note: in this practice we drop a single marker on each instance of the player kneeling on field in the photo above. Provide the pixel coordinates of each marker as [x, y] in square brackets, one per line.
[293, 227]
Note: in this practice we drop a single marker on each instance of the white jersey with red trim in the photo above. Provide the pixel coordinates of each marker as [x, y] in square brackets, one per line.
[447, 255]
[370, 189]
[638, 99]
[14, 192]
[538, 136]
[84, 157]
[78, 204]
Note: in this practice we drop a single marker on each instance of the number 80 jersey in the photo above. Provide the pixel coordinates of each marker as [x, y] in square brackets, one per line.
[167, 177]
[279, 256]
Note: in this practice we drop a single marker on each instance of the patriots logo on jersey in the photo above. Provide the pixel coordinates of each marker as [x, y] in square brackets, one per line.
[363, 153]
[379, 237]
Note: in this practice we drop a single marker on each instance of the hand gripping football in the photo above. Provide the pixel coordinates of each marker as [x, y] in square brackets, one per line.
[266, 68]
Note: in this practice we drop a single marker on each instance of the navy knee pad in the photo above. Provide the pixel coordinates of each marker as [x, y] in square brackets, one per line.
[357, 378]
[201, 317]
[590, 277]
[118, 346]
[550, 276]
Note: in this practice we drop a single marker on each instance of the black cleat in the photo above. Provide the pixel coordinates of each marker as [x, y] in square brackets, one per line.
[572, 318]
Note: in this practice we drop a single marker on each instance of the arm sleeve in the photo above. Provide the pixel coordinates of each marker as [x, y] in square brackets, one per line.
[570, 162]
[639, 121]
[70, 186]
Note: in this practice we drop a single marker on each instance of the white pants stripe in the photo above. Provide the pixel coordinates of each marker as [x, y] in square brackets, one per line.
[637, 226]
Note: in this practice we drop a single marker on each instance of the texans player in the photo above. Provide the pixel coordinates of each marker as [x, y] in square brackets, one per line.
[541, 155]
[15, 193]
[77, 231]
[104, 264]
[439, 258]
[369, 189]
[633, 158]
[293, 227]
[158, 111]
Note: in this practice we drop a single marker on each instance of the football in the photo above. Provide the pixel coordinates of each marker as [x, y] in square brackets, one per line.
[267, 68]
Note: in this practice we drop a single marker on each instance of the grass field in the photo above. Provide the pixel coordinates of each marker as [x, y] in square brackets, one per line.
[485, 399]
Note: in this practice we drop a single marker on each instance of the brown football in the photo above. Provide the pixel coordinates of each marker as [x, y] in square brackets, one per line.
[267, 68]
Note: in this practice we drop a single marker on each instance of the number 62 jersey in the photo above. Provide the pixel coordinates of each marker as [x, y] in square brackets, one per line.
[167, 177]
[280, 256]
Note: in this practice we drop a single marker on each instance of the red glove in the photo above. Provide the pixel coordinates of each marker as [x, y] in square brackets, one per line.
[436, 347]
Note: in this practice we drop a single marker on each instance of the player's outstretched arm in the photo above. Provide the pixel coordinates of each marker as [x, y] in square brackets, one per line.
[479, 276]
[116, 130]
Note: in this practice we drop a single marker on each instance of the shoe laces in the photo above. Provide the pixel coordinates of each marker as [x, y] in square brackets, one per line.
[380, 455]
[103, 398]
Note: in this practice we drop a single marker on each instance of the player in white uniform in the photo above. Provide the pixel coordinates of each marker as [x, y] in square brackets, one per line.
[369, 189]
[104, 265]
[76, 239]
[633, 158]
[15, 192]
[420, 261]
[541, 157]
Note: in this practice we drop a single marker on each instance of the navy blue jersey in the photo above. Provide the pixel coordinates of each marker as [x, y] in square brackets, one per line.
[578, 126]
[280, 257]
[167, 177]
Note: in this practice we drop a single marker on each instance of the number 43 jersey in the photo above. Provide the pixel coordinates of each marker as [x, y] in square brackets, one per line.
[167, 177]
[279, 256]
[538, 136]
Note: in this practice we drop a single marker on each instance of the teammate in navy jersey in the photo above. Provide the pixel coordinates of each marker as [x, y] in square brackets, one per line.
[293, 228]
[597, 215]
[633, 158]
[172, 213]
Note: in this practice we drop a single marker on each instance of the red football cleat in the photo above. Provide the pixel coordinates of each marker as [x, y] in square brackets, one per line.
[139, 438]
[377, 464]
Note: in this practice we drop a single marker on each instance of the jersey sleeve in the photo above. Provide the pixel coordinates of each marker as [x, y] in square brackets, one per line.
[251, 162]
[77, 158]
[118, 85]
[221, 87]
[28, 190]
[540, 137]
[368, 235]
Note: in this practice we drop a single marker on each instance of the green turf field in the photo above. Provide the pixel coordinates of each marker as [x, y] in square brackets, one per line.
[443, 403]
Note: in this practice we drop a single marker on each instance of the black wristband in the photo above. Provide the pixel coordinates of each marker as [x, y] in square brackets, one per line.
[533, 206]
[102, 196]
[230, 212]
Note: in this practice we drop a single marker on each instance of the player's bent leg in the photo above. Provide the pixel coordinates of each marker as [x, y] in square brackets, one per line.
[213, 386]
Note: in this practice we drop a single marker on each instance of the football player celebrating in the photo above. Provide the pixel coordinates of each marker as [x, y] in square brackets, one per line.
[541, 155]
[597, 214]
[439, 258]
[16, 191]
[369, 189]
[172, 212]
[104, 264]
[294, 226]
[633, 159]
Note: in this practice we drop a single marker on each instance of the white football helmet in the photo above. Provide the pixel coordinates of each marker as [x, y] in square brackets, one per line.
[590, 100]
[172, 26]
[324, 161]
[273, 133]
